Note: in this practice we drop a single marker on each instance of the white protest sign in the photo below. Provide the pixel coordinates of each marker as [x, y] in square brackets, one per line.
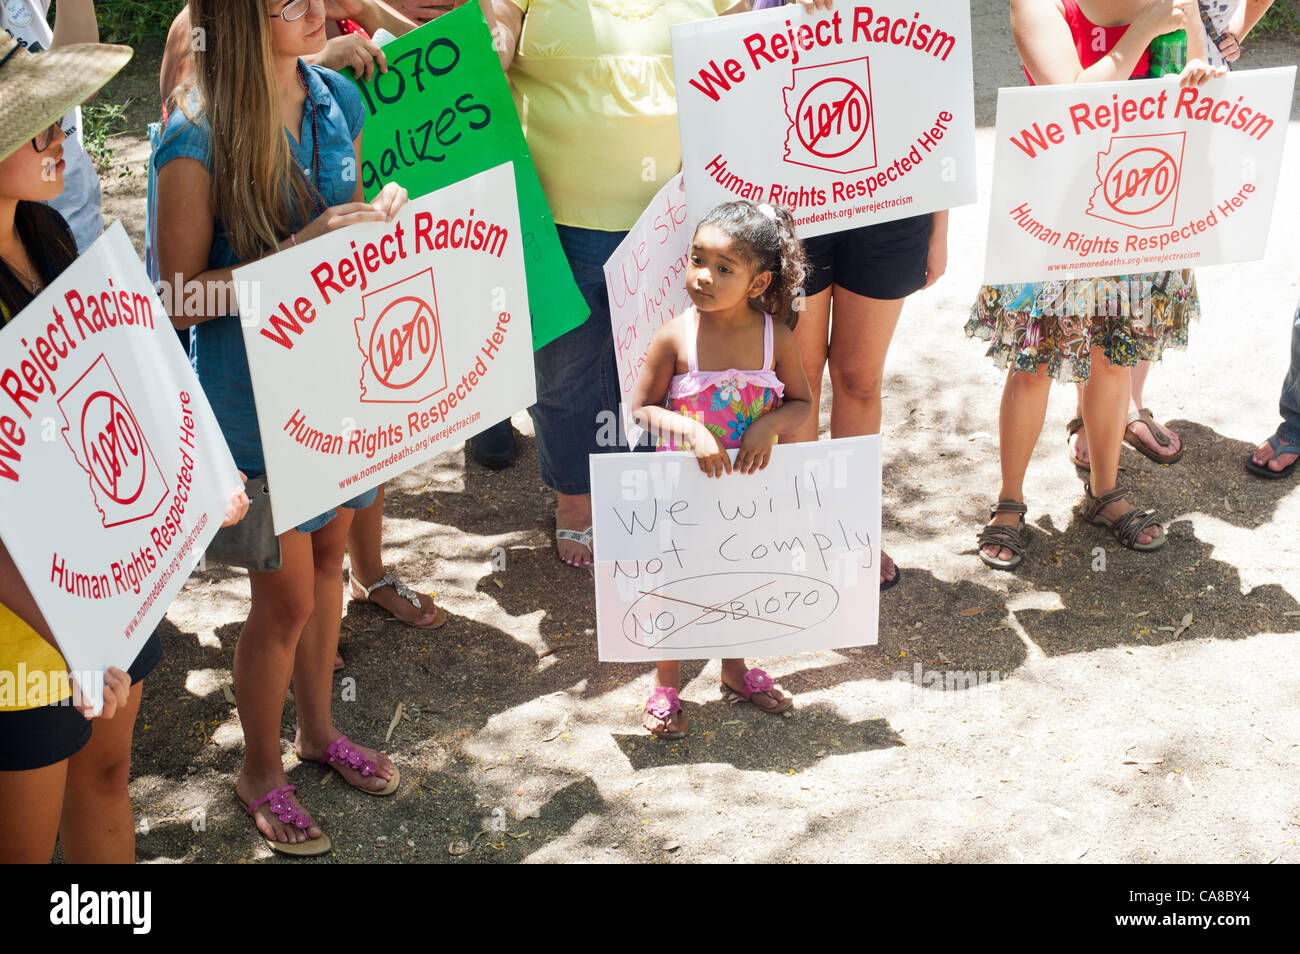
[385, 344]
[113, 473]
[1138, 176]
[781, 561]
[646, 281]
[860, 115]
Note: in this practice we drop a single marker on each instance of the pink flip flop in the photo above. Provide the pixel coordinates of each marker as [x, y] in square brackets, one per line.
[663, 704]
[341, 752]
[283, 809]
[756, 680]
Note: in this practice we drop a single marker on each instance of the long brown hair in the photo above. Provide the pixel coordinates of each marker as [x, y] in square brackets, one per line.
[258, 191]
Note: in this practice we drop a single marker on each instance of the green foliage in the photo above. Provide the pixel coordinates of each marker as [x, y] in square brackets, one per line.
[100, 121]
[130, 21]
[1282, 19]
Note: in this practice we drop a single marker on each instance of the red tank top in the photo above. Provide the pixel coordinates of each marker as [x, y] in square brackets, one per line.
[1083, 30]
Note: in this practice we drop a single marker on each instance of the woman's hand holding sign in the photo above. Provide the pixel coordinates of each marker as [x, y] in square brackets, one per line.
[352, 50]
[384, 208]
[390, 200]
[238, 505]
[1198, 72]
[117, 689]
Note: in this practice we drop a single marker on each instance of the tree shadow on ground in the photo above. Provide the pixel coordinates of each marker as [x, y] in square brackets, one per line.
[756, 741]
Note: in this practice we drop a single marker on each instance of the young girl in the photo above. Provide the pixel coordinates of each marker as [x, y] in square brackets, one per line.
[62, 774]
[263, 155]
[745, 267]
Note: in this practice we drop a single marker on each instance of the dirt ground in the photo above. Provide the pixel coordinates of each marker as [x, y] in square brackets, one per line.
[1147, 711]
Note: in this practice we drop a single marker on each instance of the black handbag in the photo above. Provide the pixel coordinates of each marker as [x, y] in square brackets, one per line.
[252, 542]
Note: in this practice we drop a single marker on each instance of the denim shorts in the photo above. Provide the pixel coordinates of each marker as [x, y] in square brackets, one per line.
[577, 377]
[360, 502]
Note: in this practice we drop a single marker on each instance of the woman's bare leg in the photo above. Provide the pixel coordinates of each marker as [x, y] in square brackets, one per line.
[264, 661]
[30, 803]
[98, 826]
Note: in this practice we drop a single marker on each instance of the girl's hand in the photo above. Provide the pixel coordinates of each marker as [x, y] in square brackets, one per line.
[810, 5]
[340, 217]
[1198, 72]
[713, 460]
[1230, 47]
[117, 689]
[390, 200]
[755, 447]
[238, 505]
[355, 51]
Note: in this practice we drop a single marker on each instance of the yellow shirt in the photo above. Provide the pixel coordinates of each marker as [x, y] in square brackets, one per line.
[593, 83]
[32, 672]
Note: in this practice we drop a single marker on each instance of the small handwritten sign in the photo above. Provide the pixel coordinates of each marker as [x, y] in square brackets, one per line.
[781, 561]
[646, 280]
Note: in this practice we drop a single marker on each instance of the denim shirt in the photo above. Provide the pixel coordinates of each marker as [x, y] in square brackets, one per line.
[217, 345]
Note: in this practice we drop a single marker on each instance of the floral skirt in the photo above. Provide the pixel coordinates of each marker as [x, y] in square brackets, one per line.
[1131, 318]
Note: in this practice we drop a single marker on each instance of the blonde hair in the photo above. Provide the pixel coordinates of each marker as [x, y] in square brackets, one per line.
[258, 191]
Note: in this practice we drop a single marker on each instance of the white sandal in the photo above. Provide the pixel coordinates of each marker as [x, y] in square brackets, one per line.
[362, 592]
[577, 536]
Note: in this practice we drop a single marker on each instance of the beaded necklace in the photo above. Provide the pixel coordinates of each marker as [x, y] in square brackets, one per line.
[318, 203]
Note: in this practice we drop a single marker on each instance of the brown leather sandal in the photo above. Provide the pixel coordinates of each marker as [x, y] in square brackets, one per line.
[1157, 431]
[1126, 528]
[1004, 536]
[1075, 425]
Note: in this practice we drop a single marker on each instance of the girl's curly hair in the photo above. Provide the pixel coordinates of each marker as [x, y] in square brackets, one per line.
[766, 236]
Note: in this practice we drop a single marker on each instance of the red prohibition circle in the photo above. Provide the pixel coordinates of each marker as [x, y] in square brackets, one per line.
[854, 91]
[381, 341]
[97, 445]
[1116, 201]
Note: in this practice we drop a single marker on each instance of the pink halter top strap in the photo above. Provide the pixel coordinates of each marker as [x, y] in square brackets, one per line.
[767, 342]
[692, 330]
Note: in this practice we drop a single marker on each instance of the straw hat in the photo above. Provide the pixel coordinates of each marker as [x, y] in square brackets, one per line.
[36, 89]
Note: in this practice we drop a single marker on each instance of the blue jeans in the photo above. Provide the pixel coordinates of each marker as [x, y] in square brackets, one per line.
[576, 374]
[1289, 404]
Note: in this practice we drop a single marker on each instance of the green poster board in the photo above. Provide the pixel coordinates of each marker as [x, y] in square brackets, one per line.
[443, 112]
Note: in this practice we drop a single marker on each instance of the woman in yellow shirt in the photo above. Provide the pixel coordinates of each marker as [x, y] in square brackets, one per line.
[593, 82]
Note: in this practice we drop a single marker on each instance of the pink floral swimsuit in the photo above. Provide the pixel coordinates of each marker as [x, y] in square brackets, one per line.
[726, 402]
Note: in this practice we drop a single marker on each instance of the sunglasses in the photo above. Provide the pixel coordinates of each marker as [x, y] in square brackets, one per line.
[293, 10]
[41, 141]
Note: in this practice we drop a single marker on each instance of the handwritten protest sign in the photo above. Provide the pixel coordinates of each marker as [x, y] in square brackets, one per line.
[1139, 176]
[646, 281]
[374, 348]
[784, 560]
[113, 473]
[860, 115]
[443, 112]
